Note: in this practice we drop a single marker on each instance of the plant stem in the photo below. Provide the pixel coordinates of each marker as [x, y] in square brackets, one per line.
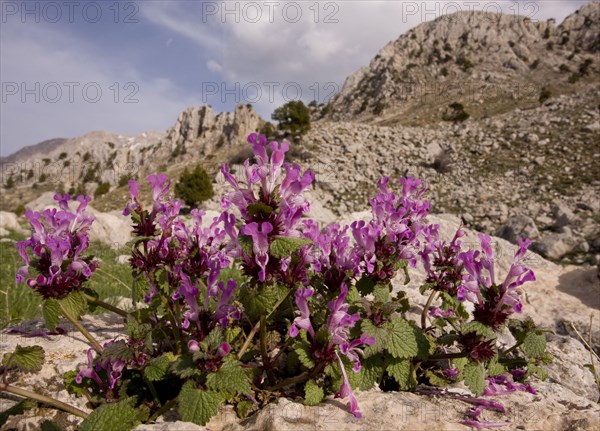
[93, 342]
[300, 378]
[166, 406]
[426, 308]
[448, 356]
[512, 348]
[263, 350]
[174, 326]
[256, 327]
[99, 303]
[44, 399]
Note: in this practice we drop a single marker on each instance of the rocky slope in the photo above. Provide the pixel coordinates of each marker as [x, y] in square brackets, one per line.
[491, 63]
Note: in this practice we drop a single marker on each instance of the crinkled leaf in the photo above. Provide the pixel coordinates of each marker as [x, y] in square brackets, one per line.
[262, 301]
[158, 368]
[495, 368]
[245, 242]
[479, 328]
[243, 408]
[539, 372]
[365, 285]
[371, 372]
[214, 339]
[185, 367]
[379, 333]
[425, 287]
[285, 246]
[402, 371]
[402, 342]
[72, 386]
[534, 344]
[29, 359]
[381, 293]
[230, 377]
[460, 363]
[17, 409]
[51, 313]
[258, 208]
[117, 350]
[75, 304]
[119, 416]
[313, 393]
[302, 349]
[231, 333]
[426, 344]
[196, 405]
[435, 379]
[474, 375]
[135, 329]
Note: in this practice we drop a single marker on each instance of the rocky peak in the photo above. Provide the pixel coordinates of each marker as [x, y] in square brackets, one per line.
[198, 128]
[474, 58]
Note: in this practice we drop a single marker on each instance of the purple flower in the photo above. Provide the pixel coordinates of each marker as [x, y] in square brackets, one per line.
[303, 320]
[260, 244]
[444, 314]
[56, 249]
[494, 303]
[346, 391]
[226, 311]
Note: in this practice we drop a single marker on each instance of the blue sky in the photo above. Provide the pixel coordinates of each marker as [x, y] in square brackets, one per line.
[68, 68]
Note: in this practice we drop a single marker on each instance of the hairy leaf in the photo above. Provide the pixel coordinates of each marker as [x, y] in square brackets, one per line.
[71, 385]
[534, 344]
[230, 377]
[196, 405]
[371, 372]
[158, 368]
[402, 342]
[17, 409]
[402, 371]
[261, 302]
[474, 375]
[75, 304]
[51, 313]
[28, 359]
[119, 416]
[313, 394]
[479, 328]
[302, 349]
[380, 334]
[285, 246]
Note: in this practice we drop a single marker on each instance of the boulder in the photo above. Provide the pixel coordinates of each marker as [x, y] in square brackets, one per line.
[556, 245]
[519, 226]
[10, 222]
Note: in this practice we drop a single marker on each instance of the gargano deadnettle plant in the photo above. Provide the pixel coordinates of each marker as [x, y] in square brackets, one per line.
[262, 302]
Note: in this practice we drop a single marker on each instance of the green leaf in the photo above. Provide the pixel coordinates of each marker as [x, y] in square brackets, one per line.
[403, 265]
[534, 344]
[258, 208]
[479, 328]
[231, 333]
[313, 394]
[533, 369]
[474, 375]
[262, 301]
[117, 350]
[435, 379]
[243, 408]
[426, 344]
[185, 367]
[17, 409]
[230, 377]
[158, 368]
[365, 285]
[381, 293]
[245, 242]
[371, 372]
[495, 368]
[135, 329]
[402, 342]
[380, 334]
[460, 363]
[302, 349]
[29, 359]
[51, 426]
[75, 304]
[51, 313]
[214, 339]
[402, 371]
[425, 287]
[72, 386]
[196, 405]
[119, 416]
[285, 246]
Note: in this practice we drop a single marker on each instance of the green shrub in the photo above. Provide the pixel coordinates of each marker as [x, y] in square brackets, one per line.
[102, 189]
[194, 187]
[293, 117]
[456, 114]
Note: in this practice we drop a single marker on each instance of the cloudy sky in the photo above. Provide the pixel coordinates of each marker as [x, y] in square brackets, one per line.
[67, 68]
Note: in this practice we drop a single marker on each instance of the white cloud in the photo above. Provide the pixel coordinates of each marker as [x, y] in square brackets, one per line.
[213, 66]
[65, 75]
